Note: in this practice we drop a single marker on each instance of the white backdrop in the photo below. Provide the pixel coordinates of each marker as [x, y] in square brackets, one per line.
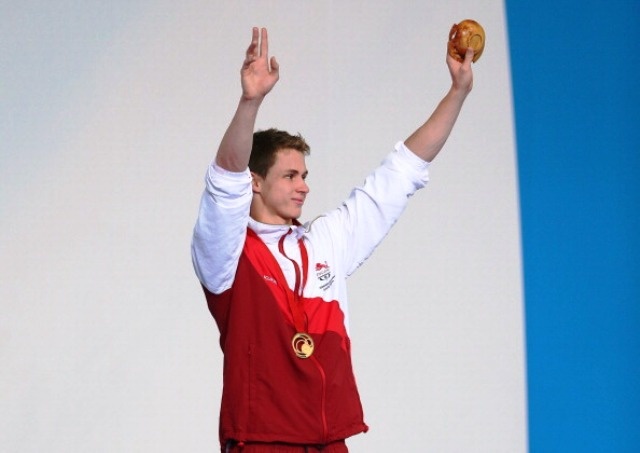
[110, 114]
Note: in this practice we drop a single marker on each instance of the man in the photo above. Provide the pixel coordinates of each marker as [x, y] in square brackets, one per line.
[276, 288]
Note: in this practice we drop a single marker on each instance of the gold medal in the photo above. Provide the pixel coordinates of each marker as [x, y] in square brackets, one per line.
[302, 345]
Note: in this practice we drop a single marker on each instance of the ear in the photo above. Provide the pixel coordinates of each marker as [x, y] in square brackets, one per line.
[256, 182]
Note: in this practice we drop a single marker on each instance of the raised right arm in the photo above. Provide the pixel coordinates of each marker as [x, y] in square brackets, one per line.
[259, 74]
[220, 229]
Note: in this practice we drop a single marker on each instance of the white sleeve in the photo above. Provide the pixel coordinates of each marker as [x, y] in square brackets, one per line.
[365, 218]
[221, 227]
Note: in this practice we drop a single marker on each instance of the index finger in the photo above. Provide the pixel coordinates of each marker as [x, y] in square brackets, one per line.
[264, 43]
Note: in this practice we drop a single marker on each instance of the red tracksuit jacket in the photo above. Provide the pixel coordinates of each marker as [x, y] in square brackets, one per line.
[269, 393]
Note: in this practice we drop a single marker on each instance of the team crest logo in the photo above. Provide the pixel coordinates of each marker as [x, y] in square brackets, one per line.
[323, 272]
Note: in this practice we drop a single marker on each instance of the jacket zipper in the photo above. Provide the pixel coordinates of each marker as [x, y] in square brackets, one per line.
[323, 410]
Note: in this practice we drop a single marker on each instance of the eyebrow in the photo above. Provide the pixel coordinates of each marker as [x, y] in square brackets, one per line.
[296, 172]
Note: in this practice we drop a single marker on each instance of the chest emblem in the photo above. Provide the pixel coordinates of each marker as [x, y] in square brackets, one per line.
[324, 275]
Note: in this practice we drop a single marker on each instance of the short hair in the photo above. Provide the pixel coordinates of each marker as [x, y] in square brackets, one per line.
[267, 143]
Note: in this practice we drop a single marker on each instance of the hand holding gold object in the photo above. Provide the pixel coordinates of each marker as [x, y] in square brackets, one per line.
[467, 33]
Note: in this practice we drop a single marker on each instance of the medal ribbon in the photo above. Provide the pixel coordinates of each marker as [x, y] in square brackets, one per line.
[302, 342]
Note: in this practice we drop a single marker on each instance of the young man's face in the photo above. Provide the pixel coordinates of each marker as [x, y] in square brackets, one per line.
[278, 198]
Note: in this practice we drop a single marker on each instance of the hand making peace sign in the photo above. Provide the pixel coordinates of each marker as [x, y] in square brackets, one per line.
[259, 74]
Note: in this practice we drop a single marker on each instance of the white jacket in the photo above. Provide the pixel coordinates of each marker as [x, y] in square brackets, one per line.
[337, 242]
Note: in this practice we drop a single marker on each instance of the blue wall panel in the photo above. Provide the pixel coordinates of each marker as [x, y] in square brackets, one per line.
[576, 81]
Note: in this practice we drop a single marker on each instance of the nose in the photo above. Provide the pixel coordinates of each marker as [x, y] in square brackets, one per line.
[304, 187]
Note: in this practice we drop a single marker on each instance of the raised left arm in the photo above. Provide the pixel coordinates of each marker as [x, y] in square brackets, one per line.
[427, 141]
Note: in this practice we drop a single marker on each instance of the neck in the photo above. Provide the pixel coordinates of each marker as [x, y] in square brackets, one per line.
[260, 214]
